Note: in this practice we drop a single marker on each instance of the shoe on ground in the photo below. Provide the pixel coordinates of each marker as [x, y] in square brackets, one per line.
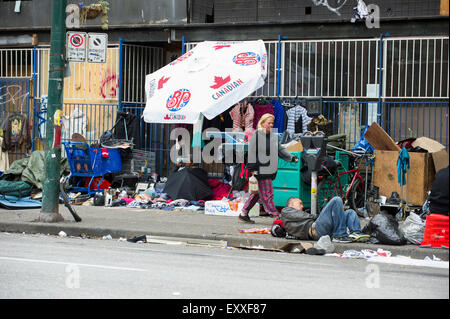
[343, 239]
[359, 236]
[246, 219]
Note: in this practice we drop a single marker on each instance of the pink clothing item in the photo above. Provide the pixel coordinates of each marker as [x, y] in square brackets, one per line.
[242, 121]
[260, 110]
[220, 190]
[128, 200]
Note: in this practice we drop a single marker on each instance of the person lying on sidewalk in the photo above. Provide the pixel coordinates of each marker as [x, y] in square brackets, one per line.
[333, 220]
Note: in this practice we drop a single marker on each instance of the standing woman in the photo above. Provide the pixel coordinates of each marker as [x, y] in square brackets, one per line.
[260, 146]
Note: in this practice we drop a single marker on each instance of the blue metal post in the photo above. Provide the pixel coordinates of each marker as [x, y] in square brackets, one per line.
[279, 67]
[183, 42]
[120, 73]
[35, 113]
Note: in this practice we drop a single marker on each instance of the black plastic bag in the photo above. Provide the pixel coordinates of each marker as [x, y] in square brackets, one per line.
[383, 229]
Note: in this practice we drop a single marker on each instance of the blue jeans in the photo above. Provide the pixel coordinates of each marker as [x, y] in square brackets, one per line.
[333, 220]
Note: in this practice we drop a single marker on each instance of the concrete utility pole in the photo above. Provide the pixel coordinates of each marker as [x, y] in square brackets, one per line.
[50, 194]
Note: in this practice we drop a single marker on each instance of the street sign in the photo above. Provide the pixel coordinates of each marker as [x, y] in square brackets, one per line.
[97, 48]
[76, 46]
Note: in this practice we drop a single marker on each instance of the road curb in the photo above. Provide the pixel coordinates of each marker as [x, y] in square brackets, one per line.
[272, 244]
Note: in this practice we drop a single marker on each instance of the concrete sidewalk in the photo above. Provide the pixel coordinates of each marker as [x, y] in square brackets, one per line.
[185, 226]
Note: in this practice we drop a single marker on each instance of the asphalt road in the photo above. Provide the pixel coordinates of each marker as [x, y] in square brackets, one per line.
[41, 266]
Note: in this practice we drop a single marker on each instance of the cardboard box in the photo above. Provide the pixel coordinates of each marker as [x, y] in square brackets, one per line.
[420, 175]
[436, 149]
[228, 208]
[295, 147]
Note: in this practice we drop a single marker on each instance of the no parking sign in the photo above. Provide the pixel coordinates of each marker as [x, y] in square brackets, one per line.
[86, 47]
[98, 46]
[76, 46]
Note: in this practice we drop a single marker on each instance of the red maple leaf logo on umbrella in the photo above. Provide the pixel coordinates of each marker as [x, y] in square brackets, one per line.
[219, 81]
[162, 81]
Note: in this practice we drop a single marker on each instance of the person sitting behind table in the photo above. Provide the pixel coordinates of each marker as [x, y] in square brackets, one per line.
[333, 220]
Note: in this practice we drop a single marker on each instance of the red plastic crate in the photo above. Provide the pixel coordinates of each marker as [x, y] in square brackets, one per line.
[436, 231]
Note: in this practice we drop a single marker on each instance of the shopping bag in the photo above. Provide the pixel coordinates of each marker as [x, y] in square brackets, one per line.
[253, 185]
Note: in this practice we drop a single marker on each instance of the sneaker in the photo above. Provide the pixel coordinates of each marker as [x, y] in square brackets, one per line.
[246, 219]
[343, 239]
[359, 236]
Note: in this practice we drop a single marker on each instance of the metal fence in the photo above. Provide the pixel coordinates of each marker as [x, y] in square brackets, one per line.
[154, 138]
[407, 95]
[16, 63]
[400, 119]
[138, 61]
[328, 68]
[416, 68]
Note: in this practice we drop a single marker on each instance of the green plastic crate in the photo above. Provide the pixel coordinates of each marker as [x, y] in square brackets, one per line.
[288, 182]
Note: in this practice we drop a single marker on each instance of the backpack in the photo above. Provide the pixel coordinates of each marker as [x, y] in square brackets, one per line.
[240, 177]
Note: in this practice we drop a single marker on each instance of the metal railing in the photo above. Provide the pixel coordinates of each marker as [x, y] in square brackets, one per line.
[16, 63]
[400, 119]
[416, 68]
[138, 61]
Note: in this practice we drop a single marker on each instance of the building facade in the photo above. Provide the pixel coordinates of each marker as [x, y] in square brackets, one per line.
[391, 67]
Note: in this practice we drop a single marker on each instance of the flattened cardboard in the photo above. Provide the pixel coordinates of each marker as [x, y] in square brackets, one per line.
[379, 139]
[428, 144]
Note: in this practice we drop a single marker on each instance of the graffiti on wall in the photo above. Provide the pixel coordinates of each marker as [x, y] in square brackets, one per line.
[12, 98]
[332, 5]
[109, 85]
[370, 14]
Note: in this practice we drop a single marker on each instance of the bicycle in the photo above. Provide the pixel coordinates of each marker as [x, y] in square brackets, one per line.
[355, 192]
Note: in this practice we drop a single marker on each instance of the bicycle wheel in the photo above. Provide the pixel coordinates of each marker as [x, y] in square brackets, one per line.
[326, 190]
[356, 198]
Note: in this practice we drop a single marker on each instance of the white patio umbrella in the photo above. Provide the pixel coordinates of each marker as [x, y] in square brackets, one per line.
[207, 80]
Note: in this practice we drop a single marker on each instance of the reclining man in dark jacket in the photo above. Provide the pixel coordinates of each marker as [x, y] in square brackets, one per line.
[333, 220]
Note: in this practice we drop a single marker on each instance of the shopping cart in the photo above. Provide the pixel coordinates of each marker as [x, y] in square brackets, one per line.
[91, 163]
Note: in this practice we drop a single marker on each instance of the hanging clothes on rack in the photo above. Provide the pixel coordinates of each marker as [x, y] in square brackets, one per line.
[242, 115]
[261, 107]
[221, 122]
[294, 115]
[279, 113]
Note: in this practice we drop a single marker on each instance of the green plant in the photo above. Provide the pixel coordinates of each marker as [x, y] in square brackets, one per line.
[92, 11]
